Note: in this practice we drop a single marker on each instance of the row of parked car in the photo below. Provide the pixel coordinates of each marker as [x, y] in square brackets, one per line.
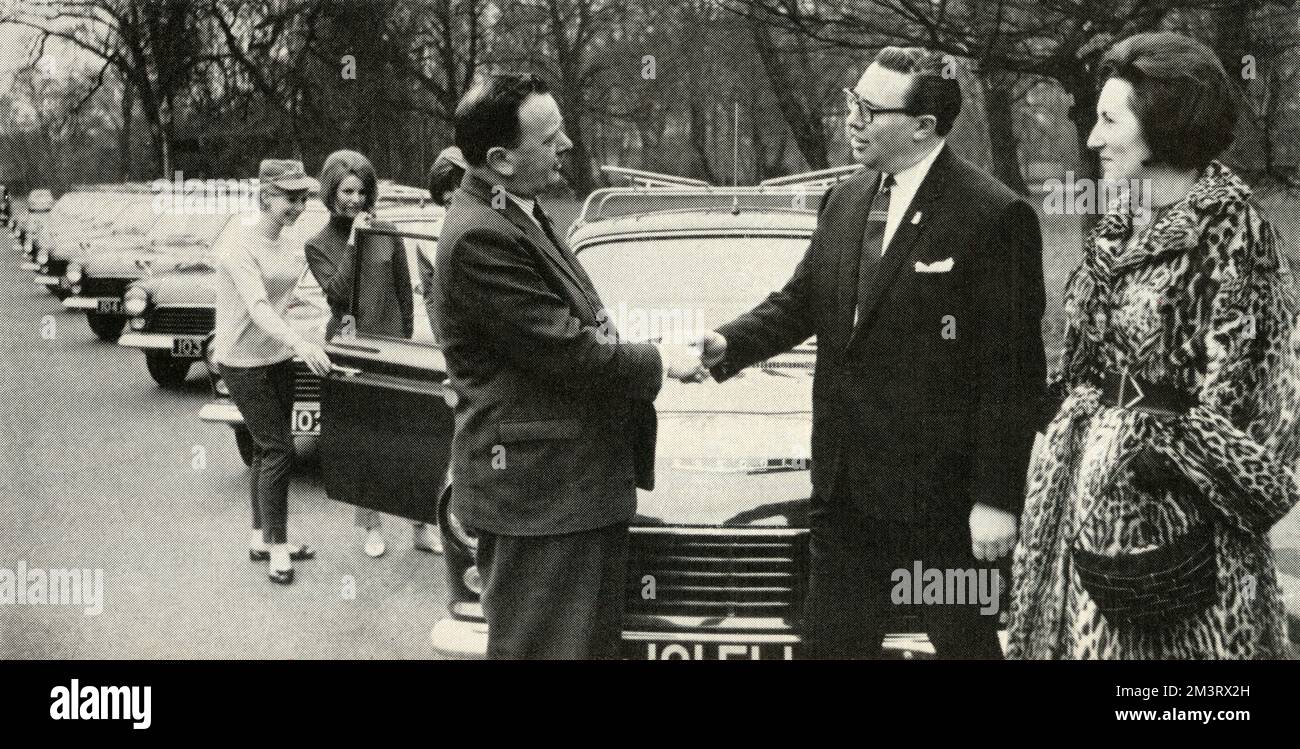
[719, 550]
[137, 262]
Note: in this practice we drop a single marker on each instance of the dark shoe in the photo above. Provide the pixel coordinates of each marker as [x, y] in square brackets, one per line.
[303, 552]
[283, 577]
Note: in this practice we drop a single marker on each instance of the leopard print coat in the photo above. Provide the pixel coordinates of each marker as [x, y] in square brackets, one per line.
[1202, 300]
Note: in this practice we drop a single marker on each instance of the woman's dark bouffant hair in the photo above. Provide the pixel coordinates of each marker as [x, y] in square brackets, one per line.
[338, 166]
[1182, 96]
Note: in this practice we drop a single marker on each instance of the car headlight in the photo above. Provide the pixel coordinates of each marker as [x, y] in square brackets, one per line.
[135, 301]
[73, 272]
[42, 256]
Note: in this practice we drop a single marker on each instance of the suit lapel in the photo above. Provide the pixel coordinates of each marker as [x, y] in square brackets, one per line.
[904, 240]
[529, 227]
[850, 249]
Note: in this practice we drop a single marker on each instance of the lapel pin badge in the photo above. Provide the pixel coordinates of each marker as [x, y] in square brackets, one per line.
[916, 218]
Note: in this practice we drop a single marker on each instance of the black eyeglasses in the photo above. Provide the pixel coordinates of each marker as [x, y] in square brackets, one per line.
[860, 105]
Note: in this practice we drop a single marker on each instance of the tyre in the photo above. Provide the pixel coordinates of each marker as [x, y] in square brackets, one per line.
[166, 370]
[244, 441]
[107, 327]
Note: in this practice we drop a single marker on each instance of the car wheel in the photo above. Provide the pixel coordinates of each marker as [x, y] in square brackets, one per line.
[59, 292]
[107, 327]
[244, 441]
[166, 370]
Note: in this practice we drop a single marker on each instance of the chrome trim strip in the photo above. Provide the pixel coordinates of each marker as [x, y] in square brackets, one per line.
[705, 530]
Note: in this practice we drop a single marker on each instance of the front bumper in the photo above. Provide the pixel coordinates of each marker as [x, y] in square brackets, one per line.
[43, 280]
[463, 636]
[87, 302]
[30, 265]
[221, 413]
[149, 340]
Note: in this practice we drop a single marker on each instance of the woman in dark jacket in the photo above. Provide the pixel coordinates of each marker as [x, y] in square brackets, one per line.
[348, 187]
[1180, 392]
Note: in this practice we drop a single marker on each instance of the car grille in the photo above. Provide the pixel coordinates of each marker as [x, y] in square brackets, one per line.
[740, 574]
[183, 320]
[55, 267]
[92, 286]
[306, 385]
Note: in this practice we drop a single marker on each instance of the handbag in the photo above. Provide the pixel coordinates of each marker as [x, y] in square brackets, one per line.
[1154, 588]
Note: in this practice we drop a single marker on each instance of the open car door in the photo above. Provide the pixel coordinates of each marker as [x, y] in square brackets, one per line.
[386, 419]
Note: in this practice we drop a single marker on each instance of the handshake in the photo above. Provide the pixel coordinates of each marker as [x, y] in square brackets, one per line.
[690, 362]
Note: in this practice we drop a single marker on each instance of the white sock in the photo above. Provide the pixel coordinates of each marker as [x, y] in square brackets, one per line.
[280, 557]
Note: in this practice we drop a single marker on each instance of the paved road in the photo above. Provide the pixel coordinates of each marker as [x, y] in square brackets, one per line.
[97, 470]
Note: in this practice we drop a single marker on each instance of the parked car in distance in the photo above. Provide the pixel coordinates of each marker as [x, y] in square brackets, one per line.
[76, 216]
[309, 310]
[175, 238]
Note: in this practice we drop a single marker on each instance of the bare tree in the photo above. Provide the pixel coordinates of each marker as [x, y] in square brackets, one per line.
[156, 46]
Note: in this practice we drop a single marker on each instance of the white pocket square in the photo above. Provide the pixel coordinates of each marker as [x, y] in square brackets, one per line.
[938, 266]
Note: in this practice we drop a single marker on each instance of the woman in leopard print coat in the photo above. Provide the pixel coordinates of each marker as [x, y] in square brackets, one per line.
[1199, 299]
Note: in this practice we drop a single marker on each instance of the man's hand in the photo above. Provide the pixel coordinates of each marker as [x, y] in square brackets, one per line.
[713, 348]
[682, 362]
[992, 532]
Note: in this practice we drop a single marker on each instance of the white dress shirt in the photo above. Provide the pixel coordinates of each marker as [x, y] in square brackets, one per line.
[906, 183]
[527, 206]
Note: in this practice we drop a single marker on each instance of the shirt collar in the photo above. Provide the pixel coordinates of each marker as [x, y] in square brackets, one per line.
[524, 203]
[911, 178]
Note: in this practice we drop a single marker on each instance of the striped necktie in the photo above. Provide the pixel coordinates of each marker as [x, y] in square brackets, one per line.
[873, 242]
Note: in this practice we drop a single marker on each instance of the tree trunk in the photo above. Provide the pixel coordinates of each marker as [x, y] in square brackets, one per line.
[700, 139]
[124, 134]
[1083, 113]
[1003, 144]
[579, 156]
[805, 121]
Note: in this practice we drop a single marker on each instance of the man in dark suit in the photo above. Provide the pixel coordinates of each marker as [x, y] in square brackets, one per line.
[555, 427]
[923, 284]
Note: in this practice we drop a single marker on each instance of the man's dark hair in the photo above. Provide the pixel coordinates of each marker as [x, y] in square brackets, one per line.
[1182, 96]
[444, 177]
[488, 114]
[931, 91]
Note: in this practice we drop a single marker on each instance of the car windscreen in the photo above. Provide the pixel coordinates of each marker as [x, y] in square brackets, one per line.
[659, 287]
[187, 234]
[136, 218]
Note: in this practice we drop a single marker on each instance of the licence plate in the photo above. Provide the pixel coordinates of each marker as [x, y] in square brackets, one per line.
[187, 348]
[708, 651]
[109, 307]
[306, 419]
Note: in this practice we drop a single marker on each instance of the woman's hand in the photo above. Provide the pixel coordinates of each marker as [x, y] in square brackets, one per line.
[317, 361]
[362, 221]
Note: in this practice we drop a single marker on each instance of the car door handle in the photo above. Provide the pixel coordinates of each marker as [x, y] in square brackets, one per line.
[345, 371]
